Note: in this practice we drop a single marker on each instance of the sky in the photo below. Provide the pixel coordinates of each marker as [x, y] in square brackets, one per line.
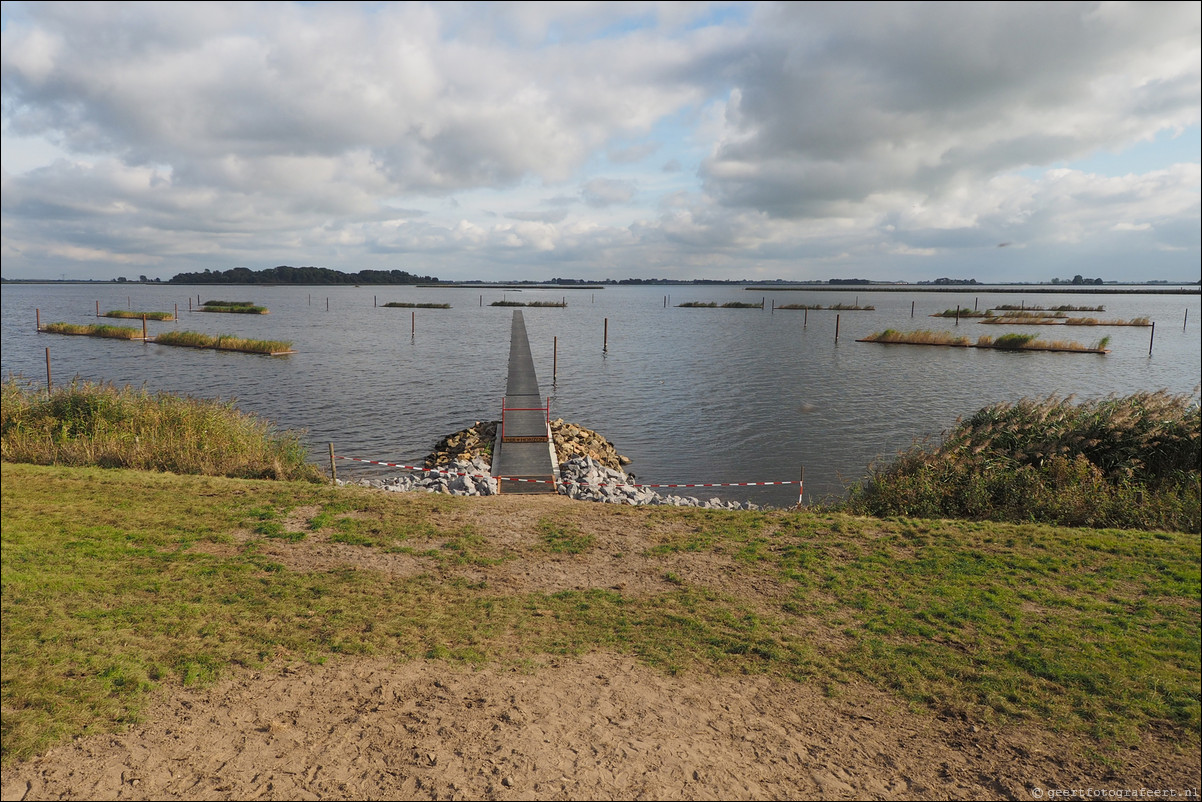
[1006, 142]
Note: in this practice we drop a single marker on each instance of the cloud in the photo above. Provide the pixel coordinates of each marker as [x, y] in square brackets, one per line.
[463, 139]
[927, 97]
[606, 191]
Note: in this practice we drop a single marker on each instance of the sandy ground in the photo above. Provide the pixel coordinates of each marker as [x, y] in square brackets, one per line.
[598, 727]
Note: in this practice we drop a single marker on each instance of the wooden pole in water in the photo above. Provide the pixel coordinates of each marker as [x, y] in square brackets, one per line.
[176, 312]
[1151, 338]
[605, 340]
[805, 320]
[957, 314]
[773, 306]
[554, 359]
[327, 304]
[911, 309]
[976, 304]
[333, 467]
[836, 328]
[412, 323]
[37, 318]
[481, 300]
[143, 327]
[801, 486]
[373, 302]
[47, 371]
[1186, 323]
[98, 309]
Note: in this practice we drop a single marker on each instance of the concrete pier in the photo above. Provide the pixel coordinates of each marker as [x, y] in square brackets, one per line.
[523, 450]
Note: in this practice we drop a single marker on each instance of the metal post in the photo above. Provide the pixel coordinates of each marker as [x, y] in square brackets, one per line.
[555, 360]
[333, 467]
[801, 486]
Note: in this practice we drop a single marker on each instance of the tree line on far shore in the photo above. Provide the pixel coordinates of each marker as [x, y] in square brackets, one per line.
[299, 275]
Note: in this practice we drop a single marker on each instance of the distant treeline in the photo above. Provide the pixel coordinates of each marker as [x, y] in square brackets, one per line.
[299, 275]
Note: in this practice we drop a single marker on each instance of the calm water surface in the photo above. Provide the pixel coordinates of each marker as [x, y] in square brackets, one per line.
[690, 395]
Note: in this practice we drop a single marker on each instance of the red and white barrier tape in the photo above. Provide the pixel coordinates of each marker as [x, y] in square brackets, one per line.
[562, 481]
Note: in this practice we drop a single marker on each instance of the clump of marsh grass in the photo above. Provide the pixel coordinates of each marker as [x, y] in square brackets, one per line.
[741, 305]
[922, 337]
[698, 305]
[223, 342]
[94, 330]
[1061, 308]
[557, 304]
[1128, 462]
[88, 423]
[1030, 342]
[963, 312]
[404, 305]
[234, 307]
[127, 314]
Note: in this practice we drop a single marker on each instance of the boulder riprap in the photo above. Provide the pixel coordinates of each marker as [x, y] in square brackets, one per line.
[570, 441]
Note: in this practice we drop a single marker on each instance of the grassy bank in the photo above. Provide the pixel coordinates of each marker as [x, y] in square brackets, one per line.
[100, 424]
[1126, 461]
[224, 342]
[109, 594]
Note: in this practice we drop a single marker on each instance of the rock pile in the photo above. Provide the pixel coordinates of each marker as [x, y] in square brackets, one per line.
[590, 470]
[459, 478]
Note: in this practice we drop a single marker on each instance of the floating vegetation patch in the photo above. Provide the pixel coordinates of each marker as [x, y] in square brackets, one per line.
[127, 314]
[832, 307]
[716, 305]
[923, 337]
[99, 330]
[1007, 342]
[1062, 320]
[961, 312]
[224, 342]
[559, 304]
[404, 305]
[234, 307]
[1063, 308]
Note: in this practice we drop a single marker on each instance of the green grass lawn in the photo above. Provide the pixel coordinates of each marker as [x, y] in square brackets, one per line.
[119, 582]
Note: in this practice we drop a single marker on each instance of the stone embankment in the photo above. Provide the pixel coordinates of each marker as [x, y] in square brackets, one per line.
[590, 469]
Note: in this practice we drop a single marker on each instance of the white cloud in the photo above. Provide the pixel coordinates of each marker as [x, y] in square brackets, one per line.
[799, 136]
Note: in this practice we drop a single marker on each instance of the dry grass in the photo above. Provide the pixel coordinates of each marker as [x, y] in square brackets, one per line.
[99, 330]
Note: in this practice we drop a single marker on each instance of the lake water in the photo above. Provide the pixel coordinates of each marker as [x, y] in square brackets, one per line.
[690, 395]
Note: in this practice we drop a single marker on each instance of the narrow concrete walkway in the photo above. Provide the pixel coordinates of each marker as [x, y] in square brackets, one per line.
[523, 450]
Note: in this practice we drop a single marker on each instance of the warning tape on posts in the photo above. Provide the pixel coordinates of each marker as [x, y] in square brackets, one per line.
[544, 481]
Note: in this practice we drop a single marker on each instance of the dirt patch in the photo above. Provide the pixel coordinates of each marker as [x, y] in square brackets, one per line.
[601, 727]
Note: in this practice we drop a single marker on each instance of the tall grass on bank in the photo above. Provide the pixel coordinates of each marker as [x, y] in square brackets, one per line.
[129, 315]
[100, 424]
[716, 305]
[223, 342]
[832, 307]
[962, 312]
[94, 330]
[1130, 462]
[1061, 308]
[1015, 341]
